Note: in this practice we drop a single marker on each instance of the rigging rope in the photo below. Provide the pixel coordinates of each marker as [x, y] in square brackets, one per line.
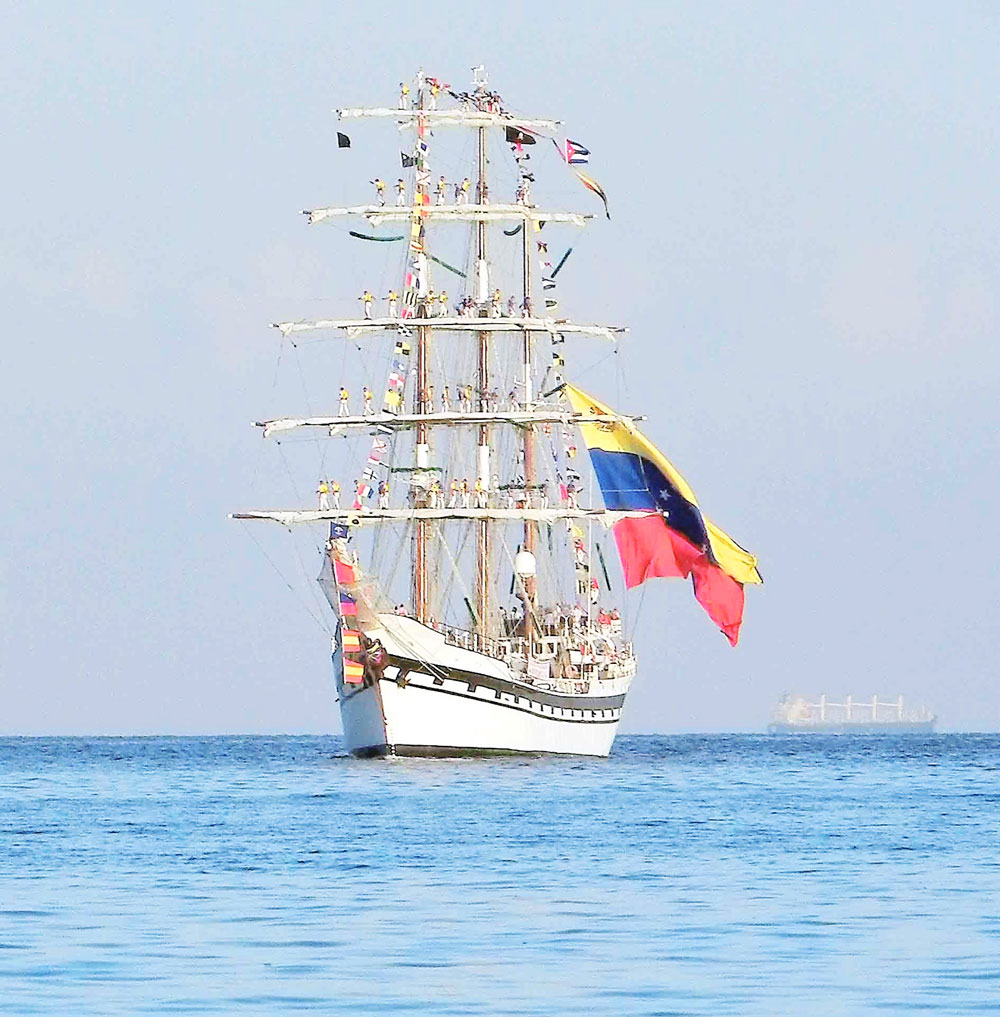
[270, 561]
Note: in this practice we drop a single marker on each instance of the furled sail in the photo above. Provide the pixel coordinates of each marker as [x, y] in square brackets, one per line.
[675, 538]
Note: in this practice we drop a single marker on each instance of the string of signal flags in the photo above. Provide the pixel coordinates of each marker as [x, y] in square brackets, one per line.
[571, 152]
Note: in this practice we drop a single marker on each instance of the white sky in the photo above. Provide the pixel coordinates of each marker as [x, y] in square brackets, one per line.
[804, 244]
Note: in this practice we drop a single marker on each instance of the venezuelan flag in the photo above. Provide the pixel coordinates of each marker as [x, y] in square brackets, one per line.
[674, 539]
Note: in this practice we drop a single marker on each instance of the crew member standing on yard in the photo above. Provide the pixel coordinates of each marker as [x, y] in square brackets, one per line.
[465, 494]
[439, 190]
[366, 395]
[379, 190]
[404, 95]
[345, 409]
[393, 298]
[497, 303]
[323, 491]
[383, 494]
[368, 299]
[446, 400]
[400, 191]
[335, 494]
[463, 197]
[453, 500]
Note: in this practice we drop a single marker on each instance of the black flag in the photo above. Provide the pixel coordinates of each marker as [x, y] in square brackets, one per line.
[517, 136]
[343, 141]
[407, 160]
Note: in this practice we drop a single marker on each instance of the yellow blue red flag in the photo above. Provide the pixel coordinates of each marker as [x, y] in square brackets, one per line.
[671, 537]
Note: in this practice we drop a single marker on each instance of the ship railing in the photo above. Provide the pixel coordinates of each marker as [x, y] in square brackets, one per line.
[584, 661]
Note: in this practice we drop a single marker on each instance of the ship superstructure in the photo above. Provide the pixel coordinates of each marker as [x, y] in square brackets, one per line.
[467, 566]
[797, 715]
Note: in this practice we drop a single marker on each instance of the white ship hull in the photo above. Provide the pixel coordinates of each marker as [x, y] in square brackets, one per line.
[436, 699]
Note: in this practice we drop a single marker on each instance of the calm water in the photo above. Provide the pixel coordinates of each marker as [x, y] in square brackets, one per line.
[685, 875]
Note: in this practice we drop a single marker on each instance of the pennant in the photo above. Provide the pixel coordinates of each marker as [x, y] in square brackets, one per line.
[550, 303]
[562, 261]
[407, 160]
[548, 284]
[343, 141]
[592, 185]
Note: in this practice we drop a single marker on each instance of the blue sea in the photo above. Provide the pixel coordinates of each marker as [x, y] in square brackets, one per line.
[684, 875]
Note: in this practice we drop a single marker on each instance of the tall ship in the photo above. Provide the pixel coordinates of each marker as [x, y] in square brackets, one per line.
[795, 714]
[467, 531]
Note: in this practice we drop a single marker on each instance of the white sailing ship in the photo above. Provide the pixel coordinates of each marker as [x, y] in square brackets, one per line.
[471, 495]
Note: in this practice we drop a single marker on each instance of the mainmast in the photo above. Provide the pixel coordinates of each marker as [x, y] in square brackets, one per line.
[530, 530]
[482, 382]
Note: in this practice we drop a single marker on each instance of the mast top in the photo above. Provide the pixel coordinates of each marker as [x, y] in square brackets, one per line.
[478, 108]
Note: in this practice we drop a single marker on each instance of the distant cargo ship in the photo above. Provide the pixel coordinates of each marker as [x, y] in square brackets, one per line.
[796, 715]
